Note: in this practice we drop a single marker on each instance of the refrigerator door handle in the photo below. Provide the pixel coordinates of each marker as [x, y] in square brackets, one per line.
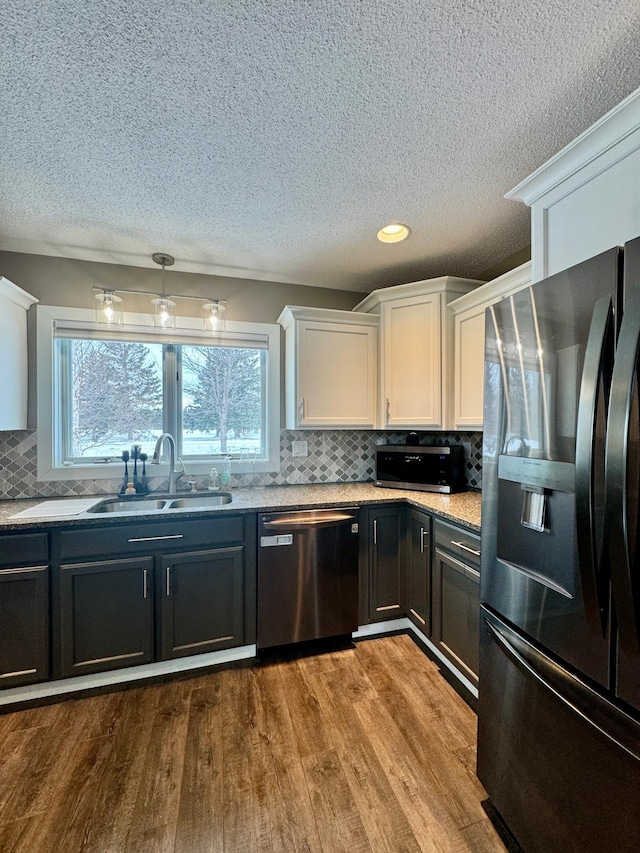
[578, 697]
[620, 540]
[596, 366]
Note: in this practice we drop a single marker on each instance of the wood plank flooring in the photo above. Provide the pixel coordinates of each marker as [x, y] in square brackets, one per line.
[360, 749]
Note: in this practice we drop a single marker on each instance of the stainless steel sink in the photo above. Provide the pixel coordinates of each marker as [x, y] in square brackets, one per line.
[196, 501]
[166, 504]
[117, 505]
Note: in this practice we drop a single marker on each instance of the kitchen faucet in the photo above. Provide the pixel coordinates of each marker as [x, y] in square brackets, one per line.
[174, 475]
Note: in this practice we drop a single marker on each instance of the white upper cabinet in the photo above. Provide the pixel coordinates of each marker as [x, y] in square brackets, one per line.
[585, 199]
[331, 368]
[416, 353]
[469, 323]
[14, 377]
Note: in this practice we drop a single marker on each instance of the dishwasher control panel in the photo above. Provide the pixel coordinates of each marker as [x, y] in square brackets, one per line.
[280, 539]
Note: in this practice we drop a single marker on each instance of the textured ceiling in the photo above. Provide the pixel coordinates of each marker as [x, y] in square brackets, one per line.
[270, 139]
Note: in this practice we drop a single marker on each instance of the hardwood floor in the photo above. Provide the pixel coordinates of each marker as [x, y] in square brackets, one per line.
[359, 749]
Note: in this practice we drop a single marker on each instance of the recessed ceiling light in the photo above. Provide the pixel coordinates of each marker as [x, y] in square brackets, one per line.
[393, 233]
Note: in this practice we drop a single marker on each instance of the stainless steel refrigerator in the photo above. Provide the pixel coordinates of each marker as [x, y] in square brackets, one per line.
[559, 695]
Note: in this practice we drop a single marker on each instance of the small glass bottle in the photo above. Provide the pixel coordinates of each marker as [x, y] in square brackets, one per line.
[225, 476]
[214, 476]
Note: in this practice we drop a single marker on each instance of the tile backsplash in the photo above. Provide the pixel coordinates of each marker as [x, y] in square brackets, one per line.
[334, 456]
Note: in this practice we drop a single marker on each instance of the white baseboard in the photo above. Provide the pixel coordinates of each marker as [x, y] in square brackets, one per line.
[47, 689]
[381, 628]
[453, 669]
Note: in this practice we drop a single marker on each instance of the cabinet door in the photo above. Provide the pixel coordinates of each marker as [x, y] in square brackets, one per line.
[202, 602]
[386, 577]
[419, 570]
[469, 368]
[456, 612]
[411, 358]
[336, 375]
[24, 625]
[106, 615]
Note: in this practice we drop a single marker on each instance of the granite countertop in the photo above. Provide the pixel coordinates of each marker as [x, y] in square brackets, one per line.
[462, 508]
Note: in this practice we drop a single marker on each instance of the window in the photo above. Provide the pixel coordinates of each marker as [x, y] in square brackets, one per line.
[100, 391]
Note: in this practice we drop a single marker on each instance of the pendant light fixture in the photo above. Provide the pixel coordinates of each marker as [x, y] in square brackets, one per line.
[163, 305]
[162, 316]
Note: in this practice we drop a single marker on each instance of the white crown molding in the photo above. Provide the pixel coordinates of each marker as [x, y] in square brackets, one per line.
[290, 313]
[444, 284]
[16, 294]
[615, 126]
[494, 290]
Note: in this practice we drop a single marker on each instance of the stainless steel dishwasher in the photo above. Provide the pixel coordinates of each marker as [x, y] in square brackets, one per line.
[307, 575]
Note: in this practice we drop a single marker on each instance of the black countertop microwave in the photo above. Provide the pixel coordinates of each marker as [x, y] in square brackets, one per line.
[427, 469]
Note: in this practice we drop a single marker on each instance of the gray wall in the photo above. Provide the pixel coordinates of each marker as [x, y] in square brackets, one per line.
[506, 265]
[66, 282]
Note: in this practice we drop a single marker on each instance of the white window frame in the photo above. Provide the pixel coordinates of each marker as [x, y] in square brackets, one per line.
[50, 317]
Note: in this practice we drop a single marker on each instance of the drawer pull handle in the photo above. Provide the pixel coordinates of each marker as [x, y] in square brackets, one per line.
[168, 581]
[144, 584]
[157, 538]
[466, 548]
[375, 531]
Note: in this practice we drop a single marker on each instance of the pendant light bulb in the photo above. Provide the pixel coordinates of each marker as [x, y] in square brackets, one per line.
[163, 316]
[108, 309]
[214, 316]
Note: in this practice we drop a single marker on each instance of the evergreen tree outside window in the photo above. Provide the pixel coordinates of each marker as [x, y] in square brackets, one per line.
[222, 400]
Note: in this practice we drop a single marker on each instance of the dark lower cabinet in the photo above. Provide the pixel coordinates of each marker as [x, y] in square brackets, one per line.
[386, 558]
[202, 595]
[419, 570]
[24, 625]
[456, 612]
[106, 615]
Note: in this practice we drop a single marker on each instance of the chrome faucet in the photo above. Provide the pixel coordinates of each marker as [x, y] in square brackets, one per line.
[174, 475]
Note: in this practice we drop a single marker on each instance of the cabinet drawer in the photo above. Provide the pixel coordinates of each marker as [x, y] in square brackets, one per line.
[457, 541]
[24, 549]
[153, 536]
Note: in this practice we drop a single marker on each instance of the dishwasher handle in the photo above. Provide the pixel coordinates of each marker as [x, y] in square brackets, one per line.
[324, 520]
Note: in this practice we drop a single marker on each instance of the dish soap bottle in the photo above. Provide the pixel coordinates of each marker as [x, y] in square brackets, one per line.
[225, 477]
[214, 476]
